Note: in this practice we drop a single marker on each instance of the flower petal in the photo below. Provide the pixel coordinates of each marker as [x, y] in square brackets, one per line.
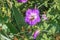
[22, 1]
[36, 33]
[36, 11]
[32, 17]
[28, 12]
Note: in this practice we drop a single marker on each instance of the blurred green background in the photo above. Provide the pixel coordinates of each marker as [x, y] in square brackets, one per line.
[13, 26]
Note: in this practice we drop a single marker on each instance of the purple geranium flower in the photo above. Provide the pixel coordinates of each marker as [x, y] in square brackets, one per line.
[32, 16]
[22, 1]
[36, 33]
[44, 17]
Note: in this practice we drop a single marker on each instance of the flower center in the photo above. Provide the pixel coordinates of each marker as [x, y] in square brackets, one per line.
[32, 18]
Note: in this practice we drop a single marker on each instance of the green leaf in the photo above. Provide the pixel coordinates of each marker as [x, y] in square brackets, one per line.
[45, 37]
[45, 25]
[12, 28]
[1, 19]
[52, 30]
[57, 4]
[18, 17]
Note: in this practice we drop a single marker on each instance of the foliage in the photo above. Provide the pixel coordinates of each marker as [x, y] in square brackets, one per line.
[12, 21]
